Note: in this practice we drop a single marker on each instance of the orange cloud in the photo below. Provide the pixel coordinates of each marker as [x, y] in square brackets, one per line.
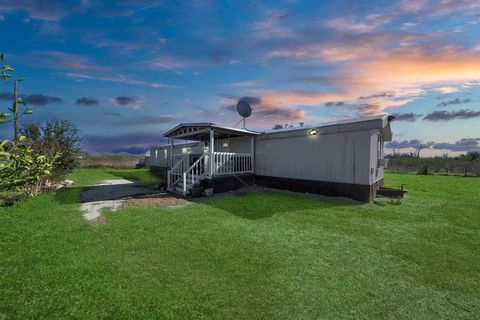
[417, 66]
[290, 98]
[404, 72]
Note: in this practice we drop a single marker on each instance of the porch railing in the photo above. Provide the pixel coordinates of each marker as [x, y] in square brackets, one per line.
[229, 163]
[224, 163]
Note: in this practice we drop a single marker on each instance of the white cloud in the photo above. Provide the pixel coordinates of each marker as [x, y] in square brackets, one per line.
[115, 78]
[356, 25]
[446, 90]
[247, 83]
[163, 85]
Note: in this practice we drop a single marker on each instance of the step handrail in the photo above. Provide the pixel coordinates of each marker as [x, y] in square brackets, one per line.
[175, 172]
[194, 168]
[179, 162]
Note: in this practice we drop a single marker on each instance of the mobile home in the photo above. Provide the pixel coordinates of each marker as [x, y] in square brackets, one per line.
[344, 158]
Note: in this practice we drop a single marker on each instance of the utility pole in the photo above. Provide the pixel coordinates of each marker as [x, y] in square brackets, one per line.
[15, 110]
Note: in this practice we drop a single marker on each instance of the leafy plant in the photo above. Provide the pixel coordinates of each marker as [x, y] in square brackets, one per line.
[22, 168]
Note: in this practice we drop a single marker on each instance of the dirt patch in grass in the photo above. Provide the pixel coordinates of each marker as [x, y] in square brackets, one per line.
[100, 219]
[162, 201]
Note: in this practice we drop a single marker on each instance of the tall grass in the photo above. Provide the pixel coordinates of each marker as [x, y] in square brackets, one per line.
[121, 160]
[436, 165]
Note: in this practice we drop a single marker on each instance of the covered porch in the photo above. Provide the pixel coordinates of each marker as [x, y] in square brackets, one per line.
[226, 151]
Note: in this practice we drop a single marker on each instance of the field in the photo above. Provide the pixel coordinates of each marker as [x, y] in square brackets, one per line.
[105, 161]
[253, 256]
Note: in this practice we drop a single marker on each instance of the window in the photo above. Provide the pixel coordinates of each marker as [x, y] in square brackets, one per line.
[380, 147]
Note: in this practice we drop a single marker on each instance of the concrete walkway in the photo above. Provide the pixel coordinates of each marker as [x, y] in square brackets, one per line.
[110, 194]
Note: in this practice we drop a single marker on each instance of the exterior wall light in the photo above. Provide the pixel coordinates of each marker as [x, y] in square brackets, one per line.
[312, 132]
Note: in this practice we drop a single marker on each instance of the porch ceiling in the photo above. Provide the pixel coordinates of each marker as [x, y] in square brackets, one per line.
[201, 132]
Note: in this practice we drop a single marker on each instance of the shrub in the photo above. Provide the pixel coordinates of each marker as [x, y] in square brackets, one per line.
[22, 168]
[56, 137]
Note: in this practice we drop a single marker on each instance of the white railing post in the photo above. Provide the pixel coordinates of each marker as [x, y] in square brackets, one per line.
[184, 183]
[252, 154]
[211, 153]
[171, 153]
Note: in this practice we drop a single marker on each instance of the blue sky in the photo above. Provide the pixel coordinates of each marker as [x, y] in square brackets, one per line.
[126, 71]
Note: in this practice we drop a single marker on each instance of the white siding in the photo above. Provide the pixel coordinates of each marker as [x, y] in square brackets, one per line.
[160, 156]
[238, 145]
[376, 172]
[331, 155]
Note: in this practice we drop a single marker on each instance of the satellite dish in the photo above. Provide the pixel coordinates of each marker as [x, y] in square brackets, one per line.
[244, 109]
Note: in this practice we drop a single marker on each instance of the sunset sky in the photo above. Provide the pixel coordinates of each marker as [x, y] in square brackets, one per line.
[126, 71]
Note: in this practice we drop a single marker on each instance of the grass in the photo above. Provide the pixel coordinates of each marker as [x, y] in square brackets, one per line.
[254, 256]
[86, 176]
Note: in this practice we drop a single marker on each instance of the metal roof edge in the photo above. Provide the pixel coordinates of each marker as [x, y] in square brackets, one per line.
[209, 125]
[382, 117]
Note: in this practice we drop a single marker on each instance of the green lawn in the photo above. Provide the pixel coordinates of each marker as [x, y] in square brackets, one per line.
[254, 256]
[85, 176]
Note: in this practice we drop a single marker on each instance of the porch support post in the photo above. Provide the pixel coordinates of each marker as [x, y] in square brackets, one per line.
[210, 153]
[252, 153]
[171, 153]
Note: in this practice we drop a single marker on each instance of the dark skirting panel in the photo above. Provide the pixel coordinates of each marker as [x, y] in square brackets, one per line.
[359, 192]
[230, 183]
[159, 171]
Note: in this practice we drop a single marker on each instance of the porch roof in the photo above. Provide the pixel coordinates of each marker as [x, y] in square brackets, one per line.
[200, 131]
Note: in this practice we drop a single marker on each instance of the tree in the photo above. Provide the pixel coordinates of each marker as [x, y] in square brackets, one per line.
[21, 167]
[57, 136]
[15, 108]
[277, 126]
[6, 72]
